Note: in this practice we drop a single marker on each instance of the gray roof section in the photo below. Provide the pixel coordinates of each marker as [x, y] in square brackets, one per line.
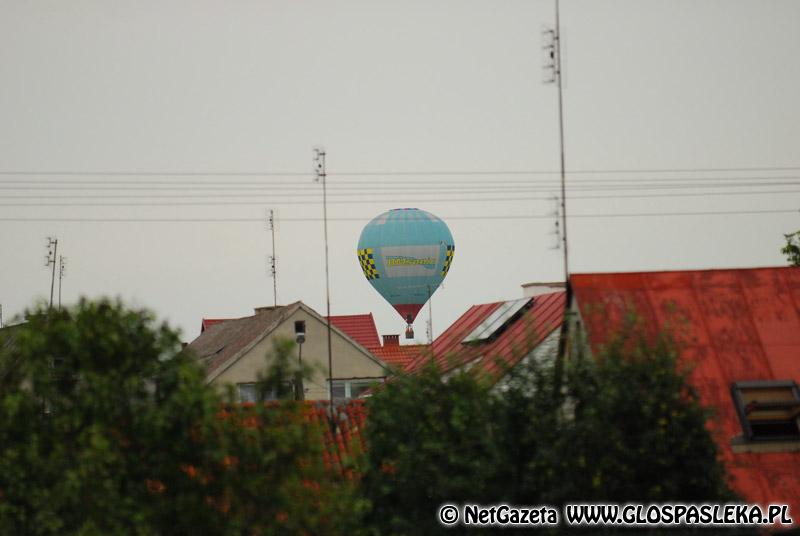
[222, 343]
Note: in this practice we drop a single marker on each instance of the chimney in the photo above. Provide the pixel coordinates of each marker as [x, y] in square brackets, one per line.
[529, 290]
[391, 340]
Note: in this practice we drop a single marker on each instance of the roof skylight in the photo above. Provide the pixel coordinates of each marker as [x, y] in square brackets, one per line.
[498, 320]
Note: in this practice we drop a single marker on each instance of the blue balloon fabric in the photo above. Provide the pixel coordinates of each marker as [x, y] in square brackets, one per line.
[405, 254]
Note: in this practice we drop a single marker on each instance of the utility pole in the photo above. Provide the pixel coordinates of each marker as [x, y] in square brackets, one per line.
[320, 176]
[61, 266]
[553, 66]
[1, 315]
[556, 215]
[52, 250]
[273, 259]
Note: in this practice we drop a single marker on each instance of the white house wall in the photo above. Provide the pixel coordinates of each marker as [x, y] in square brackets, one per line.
[349, 361]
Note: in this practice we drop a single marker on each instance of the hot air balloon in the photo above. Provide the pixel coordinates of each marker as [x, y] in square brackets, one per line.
[405, 254]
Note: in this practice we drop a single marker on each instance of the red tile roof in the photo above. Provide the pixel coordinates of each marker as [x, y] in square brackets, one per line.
[341, 443]
[360, 328]
[399, 356]
[517, 341]
[208, 322]
[346, 442]
[740, 324]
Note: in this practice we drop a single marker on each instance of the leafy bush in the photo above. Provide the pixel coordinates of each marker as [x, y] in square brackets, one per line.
[429, 440]
[107, 428]
[792, 248]
[622, 426]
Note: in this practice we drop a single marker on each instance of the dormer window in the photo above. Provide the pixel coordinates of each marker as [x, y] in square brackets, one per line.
[768, 410]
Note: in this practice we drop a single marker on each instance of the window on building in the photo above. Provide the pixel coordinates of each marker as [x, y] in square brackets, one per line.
[346, 389]
[339, 390]
[249, 392]
[768, 410]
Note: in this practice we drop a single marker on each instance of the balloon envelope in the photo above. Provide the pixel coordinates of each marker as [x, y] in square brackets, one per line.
[405, 254]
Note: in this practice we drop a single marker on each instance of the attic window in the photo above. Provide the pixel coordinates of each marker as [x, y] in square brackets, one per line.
[768, 410]
[499, 320]
[346, 389]
[249, 392]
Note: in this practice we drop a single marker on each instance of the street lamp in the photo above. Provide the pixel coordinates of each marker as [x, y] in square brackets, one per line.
[300, 337]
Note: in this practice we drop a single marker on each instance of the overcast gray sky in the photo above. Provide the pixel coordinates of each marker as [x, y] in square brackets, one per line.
[157, 87]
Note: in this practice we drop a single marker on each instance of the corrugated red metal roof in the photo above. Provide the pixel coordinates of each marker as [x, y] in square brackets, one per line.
[360, 328]
[399, 356]
[735, 325]
[522, 336]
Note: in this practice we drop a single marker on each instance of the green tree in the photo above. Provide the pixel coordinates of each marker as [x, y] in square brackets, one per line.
[623, 425]
[429, 441]
[635, 429]
[792, 248]
[106, 427]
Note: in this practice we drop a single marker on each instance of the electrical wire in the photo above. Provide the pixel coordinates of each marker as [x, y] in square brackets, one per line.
[250, 201]
[393, 190]
[356, 219]
[117, 173]
[372, 184]
[251, 196]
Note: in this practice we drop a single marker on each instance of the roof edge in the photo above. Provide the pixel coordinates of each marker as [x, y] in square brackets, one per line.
[249, 346]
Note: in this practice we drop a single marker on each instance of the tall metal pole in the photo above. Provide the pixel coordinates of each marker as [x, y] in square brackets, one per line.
[319, 159]
[60, 277]
[555, 51]
[273, 261]
[557, 39]
[51, 261]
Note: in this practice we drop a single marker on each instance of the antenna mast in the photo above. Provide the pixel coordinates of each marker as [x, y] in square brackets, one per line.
[61, 270]
[553, 49]
[321, 176]
[273, 259]
[52, 250]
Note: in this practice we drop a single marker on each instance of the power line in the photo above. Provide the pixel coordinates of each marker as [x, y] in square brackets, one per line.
[367, 218]
[256, 203]
[455, 189]
[372, 173]
[402, 199]
[349, 185]
[373, 201]
[361, 184]
[110, 173]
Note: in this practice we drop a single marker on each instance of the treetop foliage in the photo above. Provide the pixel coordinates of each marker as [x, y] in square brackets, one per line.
[106, 427]
[623, 425]
[792, 248]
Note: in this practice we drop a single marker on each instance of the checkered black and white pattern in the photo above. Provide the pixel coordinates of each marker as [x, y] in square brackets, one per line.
[367, 262]
[448, 260]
